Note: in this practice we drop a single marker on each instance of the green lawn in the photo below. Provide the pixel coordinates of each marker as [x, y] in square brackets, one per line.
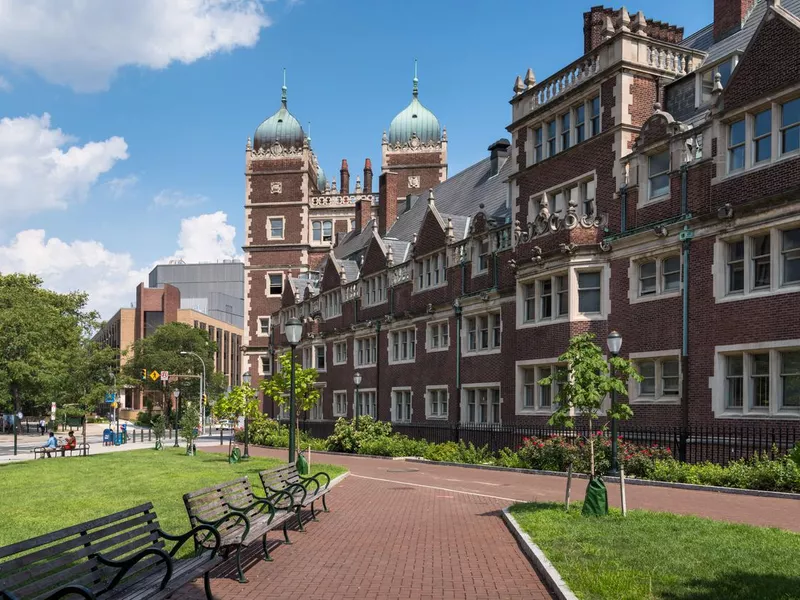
[41, 496]
[665, 556]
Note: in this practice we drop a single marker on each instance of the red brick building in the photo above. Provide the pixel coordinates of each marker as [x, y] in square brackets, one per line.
[651, 186]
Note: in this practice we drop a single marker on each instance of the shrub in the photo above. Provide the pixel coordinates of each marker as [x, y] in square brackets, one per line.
[794, 454]
[264, 431]
[459, 452]
[393, 445]
[346, 438]
[143, 419]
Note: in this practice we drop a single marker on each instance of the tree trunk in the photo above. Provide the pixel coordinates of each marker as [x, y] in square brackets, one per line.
[591, 449]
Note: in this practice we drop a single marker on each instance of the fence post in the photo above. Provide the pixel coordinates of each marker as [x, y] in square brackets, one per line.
[682, 442]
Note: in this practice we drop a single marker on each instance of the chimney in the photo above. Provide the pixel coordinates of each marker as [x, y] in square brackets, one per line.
[363, 213]
[594, 23]
[344, 178]
[387, 208]
[368, 176]
[729, 15]
[498, 153]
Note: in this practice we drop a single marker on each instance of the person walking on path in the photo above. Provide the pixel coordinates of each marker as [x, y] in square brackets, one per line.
[42, 426]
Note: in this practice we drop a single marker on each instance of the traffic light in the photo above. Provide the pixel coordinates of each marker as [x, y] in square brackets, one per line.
[205, 398]
[144, 374]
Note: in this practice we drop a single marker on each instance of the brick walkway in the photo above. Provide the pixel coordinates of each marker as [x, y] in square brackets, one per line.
[388, 540]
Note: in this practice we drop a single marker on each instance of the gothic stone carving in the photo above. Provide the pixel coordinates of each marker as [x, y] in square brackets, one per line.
[276, 187]
[413, 181]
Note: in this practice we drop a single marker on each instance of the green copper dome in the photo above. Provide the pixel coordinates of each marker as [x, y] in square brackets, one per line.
[322, 181]
[417, 120]
[281, 127]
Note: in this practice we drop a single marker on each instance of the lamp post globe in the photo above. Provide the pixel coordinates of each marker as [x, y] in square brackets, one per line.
[357, 382]
[294, 331]
[246, 378]
[614, 341]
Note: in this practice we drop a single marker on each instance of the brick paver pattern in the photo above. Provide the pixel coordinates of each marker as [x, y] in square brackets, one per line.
[389, 540]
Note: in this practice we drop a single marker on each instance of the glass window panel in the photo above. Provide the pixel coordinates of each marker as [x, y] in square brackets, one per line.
[562, 290]
[790, 126]
[760, 383]
[725, 69]
[670, 377]
[734, 374]
[791, 256]
[647, 278]
[595, 115]
[736, 266]
[762, 123]
[671, 273]
[589, 292]
[659, 174]
[737, 133]
[761, 261]
[546, 295]
[647, 369]
[790, 379]
[530, 302]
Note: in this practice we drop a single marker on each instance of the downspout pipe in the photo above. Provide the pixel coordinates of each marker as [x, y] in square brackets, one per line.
[685, 236]
[378, 372]
[458, 309]
[623, 212]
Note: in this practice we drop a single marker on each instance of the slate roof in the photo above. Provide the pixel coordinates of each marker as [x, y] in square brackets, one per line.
[351, 269]
[300, 285]
[354, 242]
[458, 197]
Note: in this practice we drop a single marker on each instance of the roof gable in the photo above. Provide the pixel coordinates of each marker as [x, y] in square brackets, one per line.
[431, 235]
[770, 63]
[374, 257]
[331, 276]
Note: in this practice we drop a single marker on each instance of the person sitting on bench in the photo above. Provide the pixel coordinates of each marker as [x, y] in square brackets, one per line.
[52, 444]
[70, 443]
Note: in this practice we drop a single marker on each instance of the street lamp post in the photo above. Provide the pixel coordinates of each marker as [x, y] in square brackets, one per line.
[294, 330]
[202, 390]
[177, 415]
[614, 342]
[246, 380]
[116, 402]
[357, 382]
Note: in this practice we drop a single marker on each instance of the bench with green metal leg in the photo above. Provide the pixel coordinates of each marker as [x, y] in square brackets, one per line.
[304, 490]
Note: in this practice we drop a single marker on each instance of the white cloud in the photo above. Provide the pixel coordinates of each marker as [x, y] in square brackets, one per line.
[82, 43]
[109, 277]
[120, 185]
[5, 85]
[176, 199]
[37, 173]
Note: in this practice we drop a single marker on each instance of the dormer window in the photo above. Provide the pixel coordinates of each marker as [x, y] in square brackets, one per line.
[725, 69]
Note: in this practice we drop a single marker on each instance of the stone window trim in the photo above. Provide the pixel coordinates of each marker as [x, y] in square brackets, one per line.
[313, 350]
[591, 123]
[393, 417]
[323, 229]
[634, 275]
[337, 395]
[748, 114]
[336, 352]
[719, 387]
[494, 318]
[659, 397]
[365, 395]
[261, 364]
[374, 352]
[430, 272]
[573, 314]
[375, 290]
[482, 252]
[276, 218]
[489, 387]
[777, 270]
[332, 304]
[586, 185]
[443, 415]
[521, 367]
[646, 159]
[270, 291]
[429, 335]
[262, 321]
[410, 350]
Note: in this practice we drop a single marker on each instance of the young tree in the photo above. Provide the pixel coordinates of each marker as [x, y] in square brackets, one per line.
[190, 420]
[278, 387]
[240, 402]
[585, 384]
[158, 426]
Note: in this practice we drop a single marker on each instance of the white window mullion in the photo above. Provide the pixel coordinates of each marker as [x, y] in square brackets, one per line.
[748, 269]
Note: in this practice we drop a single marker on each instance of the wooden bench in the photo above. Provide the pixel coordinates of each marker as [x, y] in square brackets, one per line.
[238, 515]
[287, 480]
[81, 449]
[123, 556]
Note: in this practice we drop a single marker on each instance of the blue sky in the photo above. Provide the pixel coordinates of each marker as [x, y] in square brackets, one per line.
[349, 65]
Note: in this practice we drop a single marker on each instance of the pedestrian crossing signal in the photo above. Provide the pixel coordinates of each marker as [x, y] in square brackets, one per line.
[144, 374]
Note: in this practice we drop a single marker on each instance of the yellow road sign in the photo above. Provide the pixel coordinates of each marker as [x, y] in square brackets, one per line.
[155, 375]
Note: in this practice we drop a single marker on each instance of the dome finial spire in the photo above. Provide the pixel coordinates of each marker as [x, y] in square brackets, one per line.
[283, 89]
[416, 80]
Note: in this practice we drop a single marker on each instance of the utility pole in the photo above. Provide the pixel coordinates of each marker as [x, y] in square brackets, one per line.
[15, 416]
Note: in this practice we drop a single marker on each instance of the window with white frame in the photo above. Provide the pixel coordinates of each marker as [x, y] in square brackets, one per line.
[367, 403]
[553, 296]
[658, 174]
[536, 396]
[765, 261]
[275, 228]
[401, 405]
[660, 379]
[759, 380]
[538, 148]
[366, 351]
[314, 357]
[332, 304]
[580, 293]
[580, 192]
[659, 276]
[481, 404]
[725, 69]
[438, 336]
[529, 302]
[552, 140]
[594, 107]
[590, 292]
[580, 123]
[322, 231]
[274, 284]
[375, 290]
[482, 256]
[483, 333]
[264, 324]
[316, 412]
[764, 135]
[436, 402]
[340, 403]
[403, 346]
[340, 353]
[431, 271]
[566, 131]
[264, 365]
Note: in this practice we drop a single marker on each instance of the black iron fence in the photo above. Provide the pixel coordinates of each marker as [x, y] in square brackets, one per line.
[718, 443]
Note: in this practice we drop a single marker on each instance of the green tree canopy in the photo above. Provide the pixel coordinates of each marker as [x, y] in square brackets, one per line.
[278, 386]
